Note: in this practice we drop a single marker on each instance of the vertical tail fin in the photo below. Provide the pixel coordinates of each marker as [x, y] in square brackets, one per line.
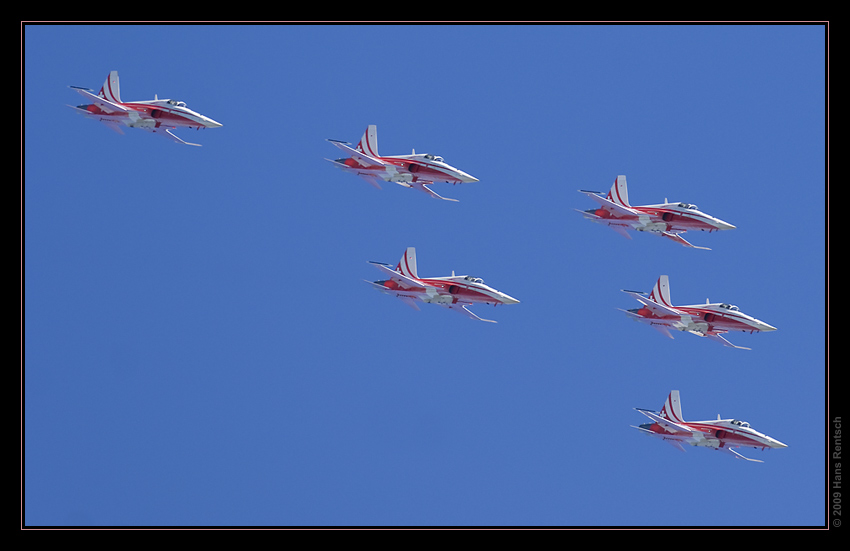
[369, 142]
[110, 90]
[661, 292]
[672, 409]
[407, 264]
[619, 192]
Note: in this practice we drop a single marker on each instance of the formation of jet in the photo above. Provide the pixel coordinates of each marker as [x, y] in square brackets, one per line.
[668, 220]
[414, 171]
[720, 434]
[705, 320]
[157, 115]
[453, 292]
[457, 293]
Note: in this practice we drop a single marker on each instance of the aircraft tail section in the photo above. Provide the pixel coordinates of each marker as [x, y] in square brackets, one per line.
[407, 264]
[369, 142]
[661, 292]
[619, 193]
[672, 409]
[110, 90]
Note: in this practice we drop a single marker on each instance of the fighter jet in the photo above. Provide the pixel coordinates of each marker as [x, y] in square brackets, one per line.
[416, 170]
[705, 320]
[157, 115]
[455, 292]
[722, 434]
[668, 220]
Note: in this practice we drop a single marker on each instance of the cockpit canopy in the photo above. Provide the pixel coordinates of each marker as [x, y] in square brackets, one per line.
[473, 279]
[688, 206]
[729, 307]
[434, 158]
[742, 424]
[176, 103]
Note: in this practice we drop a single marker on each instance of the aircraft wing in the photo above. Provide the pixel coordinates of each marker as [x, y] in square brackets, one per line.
[658, 309]
[359, 156]
[104, 104]
[463, 309]
[737, 455]
[421, 186]
[410, 301]
[717, 336]
[166, 133]
[666, 424]
[610, 205]
[681, 240]
[371, 179]
[662, 326]
[672, 441]
[399, 278]
[107, 120]
[618, 227]
[368, 177]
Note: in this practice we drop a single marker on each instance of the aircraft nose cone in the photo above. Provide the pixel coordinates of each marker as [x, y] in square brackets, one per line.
[766, 327]
[465, 178]
[508, 299]
[721, 225]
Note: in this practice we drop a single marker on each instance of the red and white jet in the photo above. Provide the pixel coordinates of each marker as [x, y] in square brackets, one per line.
[706, 320]
[452, 292]
[668, 220]
[157, 115]
[413, 171]
[722, 434]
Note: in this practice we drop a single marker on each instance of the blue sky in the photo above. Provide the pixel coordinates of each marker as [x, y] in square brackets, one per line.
[201, 349]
